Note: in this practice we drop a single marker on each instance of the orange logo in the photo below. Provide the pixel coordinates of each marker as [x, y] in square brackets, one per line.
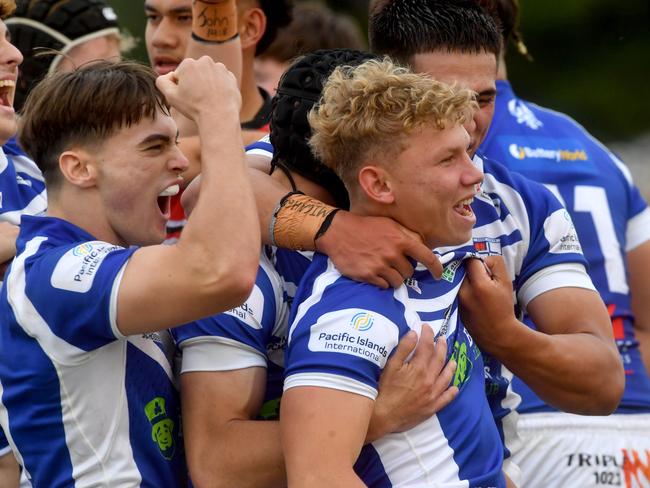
[633, 467]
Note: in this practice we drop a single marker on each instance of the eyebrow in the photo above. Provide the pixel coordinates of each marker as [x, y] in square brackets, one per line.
[490, 92]
[164, 138]
[174, 11]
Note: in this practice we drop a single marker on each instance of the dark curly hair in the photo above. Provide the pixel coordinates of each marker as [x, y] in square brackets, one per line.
[298, 91]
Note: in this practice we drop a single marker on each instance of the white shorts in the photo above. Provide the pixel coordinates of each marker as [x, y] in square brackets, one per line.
[562, 450]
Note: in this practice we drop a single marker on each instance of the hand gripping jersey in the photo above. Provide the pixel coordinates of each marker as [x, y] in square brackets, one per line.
[343, 332]
[81, 404]
[520, 220]
[22, 188]
[610, 216]
[253, 334]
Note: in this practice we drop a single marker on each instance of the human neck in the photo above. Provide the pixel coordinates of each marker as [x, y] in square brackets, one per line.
[79, 207]
[304, 185]
[251, 97]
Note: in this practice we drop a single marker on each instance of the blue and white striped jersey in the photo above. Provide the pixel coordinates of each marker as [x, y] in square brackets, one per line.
[526, 224]
[610, 215]
[343, 332]
[87, 406]
[22, 188]
[253, 334]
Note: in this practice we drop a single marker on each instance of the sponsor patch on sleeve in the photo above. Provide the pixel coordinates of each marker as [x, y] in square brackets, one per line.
[561, 234]
[250, 312]
[77, 268]
[355, 332]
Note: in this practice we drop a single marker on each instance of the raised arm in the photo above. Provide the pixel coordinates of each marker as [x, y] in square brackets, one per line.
[215, 33]
[213, 266]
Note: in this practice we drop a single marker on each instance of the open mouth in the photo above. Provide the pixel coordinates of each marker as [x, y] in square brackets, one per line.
[464, 207]
[165, 65]
[164, 199]
[7, 88]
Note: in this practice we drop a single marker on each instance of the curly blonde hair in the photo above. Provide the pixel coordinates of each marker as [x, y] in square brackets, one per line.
[366, 110]
[7, 8]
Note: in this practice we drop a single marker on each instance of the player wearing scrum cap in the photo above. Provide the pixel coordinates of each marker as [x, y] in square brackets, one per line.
[78, 30]
[233, 363]
[96, 403]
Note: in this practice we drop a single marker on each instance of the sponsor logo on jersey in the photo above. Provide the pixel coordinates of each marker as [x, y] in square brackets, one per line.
[487, 245]
[559, 155]
[362, 321]
[355, 332]
[449, 272]
[162, 427]
[523, 114]
[250, 312]
[82, 250]
[558, 228]
[412, 283]
[275, 349]
[77, 268]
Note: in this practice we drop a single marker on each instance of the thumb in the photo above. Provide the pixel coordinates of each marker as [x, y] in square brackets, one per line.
[167, 83]
[497, 267]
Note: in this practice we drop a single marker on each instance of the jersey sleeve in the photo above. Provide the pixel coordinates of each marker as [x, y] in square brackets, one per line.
[72, 292]
[344, 339]
[263, 147]
[638, 224]
[238, 338]
[554, 256]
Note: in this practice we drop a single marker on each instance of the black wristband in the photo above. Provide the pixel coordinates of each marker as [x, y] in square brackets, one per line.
[208, 41]
[326, 223]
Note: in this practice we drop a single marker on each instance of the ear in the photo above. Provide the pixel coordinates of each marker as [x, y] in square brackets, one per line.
[375, 183]
[252, 25]
[78, 168]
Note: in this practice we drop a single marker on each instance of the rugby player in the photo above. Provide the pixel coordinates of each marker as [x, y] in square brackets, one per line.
[570, 360]
[397, 141]
[74, 31]
[233, 363]
[88, 391]
[22, 191]
[168, 37]
[613, 223]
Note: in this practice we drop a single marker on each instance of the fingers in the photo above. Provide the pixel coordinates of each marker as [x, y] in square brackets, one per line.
[425, 348]
[445, 398]
[422, 254]
[497, 267]
[393, 277]
[404, 348]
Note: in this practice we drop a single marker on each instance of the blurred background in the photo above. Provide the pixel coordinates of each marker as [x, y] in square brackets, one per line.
[591, 60]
